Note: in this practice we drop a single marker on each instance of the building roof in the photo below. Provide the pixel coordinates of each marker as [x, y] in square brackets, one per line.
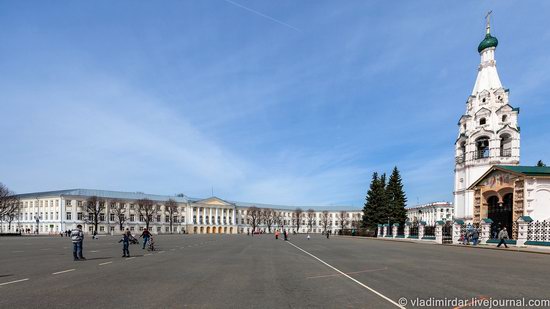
[104, 194]
[527, 170]
[162, 198]
[515, 169]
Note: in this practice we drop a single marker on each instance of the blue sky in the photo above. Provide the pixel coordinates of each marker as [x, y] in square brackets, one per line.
[287, 102]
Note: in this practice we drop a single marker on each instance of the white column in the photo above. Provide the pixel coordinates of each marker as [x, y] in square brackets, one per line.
[216, 216]
[233, 216]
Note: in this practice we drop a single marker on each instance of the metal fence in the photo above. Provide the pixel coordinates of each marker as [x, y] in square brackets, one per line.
[429, 231]
[539, 231]
[364, 232]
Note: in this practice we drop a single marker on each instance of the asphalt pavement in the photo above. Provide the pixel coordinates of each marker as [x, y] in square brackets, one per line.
[239, 271]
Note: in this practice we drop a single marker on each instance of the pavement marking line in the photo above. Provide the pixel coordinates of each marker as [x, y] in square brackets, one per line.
[15, 281]
[348, 273]
[130, 258]
[94, 251]
[148, 254]
[160, 252]
[63, 271]
[349, 277]
[105, 263]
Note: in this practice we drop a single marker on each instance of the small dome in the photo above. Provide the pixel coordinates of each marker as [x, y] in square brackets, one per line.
[488, 41]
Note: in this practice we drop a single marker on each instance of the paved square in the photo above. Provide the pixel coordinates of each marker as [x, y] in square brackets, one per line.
[234, 271]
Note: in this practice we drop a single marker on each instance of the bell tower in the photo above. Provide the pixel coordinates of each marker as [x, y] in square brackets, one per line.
[488, 132]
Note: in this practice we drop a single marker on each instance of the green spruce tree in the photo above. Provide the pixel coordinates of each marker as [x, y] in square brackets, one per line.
[370, 210]
[375, 209]
[396, 198]
[541, 164]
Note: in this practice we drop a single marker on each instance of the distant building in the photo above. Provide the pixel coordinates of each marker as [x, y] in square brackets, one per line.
[56, 211]
[431, 213]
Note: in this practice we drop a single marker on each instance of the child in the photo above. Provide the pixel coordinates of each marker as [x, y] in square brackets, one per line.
[125, 240]
[307, 236]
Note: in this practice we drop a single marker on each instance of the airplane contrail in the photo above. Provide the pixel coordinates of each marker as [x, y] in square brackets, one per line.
[263, 15]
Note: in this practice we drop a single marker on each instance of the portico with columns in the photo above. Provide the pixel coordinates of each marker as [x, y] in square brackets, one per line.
[212, 216]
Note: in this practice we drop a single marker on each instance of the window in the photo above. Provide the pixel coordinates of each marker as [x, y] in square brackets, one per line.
[68, 203]
[79, 216]
[79, 203]
[505, 145]
[194, 219]
[141, 218]
[90, 228]
[102, 229]
[112, 228]
[112, 217]
[101, 217]
[482, 147]
[158, 218]
[482, 121]
[131, 206]
[167, 229]
[504, 118]
[132, 228]
[158, 229]
[90, 216]
[132, 217]
[182, 219]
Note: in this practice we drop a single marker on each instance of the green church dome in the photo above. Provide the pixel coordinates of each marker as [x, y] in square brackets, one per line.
[488, 41]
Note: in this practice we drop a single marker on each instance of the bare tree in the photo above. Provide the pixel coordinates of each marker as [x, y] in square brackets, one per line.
[298, 215]
[9, 202]
[343, 220]
[310, 219]
[268, 218]
[94, 206]
[146, 209]
[325, 221]
[119, 209]
[171, 206]
[253, 216]
[278, 219]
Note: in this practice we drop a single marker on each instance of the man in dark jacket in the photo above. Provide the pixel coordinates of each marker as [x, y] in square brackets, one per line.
[145, 234]
[125, 240]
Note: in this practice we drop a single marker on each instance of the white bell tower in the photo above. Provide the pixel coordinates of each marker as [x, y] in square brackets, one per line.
[488, 132]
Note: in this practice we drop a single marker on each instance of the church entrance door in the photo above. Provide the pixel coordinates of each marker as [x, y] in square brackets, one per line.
[501, 214]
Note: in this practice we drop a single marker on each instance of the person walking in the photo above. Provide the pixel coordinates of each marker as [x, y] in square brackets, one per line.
[77, 237]
[308, 237]
[145, 234]
[125, 240]
[277, 234]
[327, 234]
[503, 235]
[475, 237]
[285, 234]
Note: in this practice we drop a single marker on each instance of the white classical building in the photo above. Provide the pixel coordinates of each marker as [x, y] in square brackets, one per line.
[488, 131]
[55, 211]
[431, 213]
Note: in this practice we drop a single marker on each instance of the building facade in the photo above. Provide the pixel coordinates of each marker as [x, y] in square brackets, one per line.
[488, 131]
[506, 193]
[56, 211]
[431, 213]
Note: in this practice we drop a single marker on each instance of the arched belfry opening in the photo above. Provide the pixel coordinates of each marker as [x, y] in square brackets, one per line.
[482, 147]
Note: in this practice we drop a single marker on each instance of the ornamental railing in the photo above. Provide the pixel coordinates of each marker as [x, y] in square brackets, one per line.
[481, 154]
[539, 231]
[506, 152]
